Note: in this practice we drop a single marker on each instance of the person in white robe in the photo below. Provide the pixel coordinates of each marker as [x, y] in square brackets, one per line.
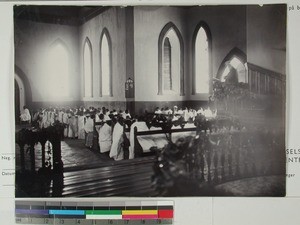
[44, 121]
[66, 123]
[157, 111]
[116, 151]
[73, 126]
[25, 115]
[51, 117]
[126, 114]
[191, 115]
[60, 116]
[81, 122]
[70, 131]
[200, 111]
[36, 116]
[175, 109]
[106, 114]
[89, 130]
[141, 126]
[168, 111]
[208, 113]
[41, 120]
[105, 135]
[186, 114]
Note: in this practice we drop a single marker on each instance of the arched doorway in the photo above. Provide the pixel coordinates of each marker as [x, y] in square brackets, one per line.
[17, 102]
[23, 94]
[20, 98]
[236, 70]
[234, 67]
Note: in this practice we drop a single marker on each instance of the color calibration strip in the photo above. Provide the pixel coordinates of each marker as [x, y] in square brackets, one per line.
[90, 213]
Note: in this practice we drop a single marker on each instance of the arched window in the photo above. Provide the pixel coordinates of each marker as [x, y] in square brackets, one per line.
[233, 67]
[105, 64]
[201, 59]
[87, 68]
[170, 56]
[58, 71]
[235, 70]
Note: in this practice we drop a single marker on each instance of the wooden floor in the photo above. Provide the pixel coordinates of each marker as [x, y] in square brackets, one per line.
[86, 173]
[128, 178]
[92, 174]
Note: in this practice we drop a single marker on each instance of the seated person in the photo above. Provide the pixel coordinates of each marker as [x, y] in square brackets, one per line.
[168, 111]
[126, 114]
[157, 111]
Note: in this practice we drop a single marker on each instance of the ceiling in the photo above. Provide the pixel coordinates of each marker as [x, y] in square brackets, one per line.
[67, 15]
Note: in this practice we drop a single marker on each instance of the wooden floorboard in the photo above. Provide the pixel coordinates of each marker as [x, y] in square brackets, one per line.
[124, 178]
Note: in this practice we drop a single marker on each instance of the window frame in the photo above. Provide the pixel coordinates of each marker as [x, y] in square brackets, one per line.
[235, 52]
[88, 43]
[206, 29]
[105, 32]
[161, 38]
[60, 42]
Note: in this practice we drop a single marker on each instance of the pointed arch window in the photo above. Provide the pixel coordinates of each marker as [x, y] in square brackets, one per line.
[201, 59]
[170, 71]
[87, 68]
[58, 71]
[105, 64]
[235, 70]
[234, 67]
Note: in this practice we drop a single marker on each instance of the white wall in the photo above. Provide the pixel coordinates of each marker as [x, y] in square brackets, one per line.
[114, 20]
[148, 23]
[266, 37]
[33, 41]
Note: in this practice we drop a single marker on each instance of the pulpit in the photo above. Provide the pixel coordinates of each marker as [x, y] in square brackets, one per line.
[50, 140]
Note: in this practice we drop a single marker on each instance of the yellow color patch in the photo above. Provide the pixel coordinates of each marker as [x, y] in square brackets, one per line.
[139, 212]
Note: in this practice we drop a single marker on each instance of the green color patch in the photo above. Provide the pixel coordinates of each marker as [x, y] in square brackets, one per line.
[103, 212]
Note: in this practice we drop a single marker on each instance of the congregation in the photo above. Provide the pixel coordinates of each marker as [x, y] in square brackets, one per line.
[109, 125]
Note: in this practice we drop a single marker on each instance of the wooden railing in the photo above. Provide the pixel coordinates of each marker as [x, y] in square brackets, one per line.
[233, 156]
[265, 82]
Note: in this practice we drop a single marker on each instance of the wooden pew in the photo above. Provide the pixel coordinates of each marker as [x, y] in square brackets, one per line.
[137, 147]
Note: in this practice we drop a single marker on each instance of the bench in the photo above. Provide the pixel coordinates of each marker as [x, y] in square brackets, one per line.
[138, 147]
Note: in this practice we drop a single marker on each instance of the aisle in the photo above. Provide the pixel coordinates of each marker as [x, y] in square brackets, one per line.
[74, 153]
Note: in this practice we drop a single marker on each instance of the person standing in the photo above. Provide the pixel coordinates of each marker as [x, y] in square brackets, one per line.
[25, 116]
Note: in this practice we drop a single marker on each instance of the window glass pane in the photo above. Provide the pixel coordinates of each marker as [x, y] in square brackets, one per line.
[105, 66]
[167, 71]
[201, 62]
[171, 62]
[235, 68]
[58, 77]
[87, 70]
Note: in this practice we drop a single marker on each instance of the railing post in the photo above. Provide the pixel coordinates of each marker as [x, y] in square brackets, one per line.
[22, 158]
[208, 161]
[216, 161]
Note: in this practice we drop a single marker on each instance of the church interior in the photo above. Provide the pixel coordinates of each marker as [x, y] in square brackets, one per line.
[141, 100]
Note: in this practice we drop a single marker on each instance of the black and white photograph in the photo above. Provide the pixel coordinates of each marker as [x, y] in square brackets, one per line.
[150, 101]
